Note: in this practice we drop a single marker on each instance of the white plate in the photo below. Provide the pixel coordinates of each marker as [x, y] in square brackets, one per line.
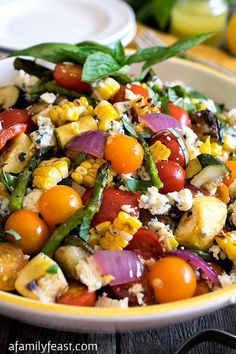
[215, 85]
[24, 23]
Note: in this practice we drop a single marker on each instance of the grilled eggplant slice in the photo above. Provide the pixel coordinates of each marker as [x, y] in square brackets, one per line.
[205, 123]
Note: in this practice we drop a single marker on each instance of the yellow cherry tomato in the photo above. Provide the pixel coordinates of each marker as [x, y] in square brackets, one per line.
[124, 152]
[173, 279]
[230, 35]
[32, 230]
[58, 204]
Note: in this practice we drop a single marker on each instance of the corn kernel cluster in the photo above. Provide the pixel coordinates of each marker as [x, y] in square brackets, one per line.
[116, 235]
[105, 89]
[144, 105]
[50, 172]
[70, 111]
[214, 148]
[159, 151]
[106, 113]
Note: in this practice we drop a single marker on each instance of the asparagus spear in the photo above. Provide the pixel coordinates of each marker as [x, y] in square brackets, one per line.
[24, 179]
[87, 213]
[80, 158]
[150, 164]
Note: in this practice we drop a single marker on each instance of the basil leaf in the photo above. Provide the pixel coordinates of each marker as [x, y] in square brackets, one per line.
[147, 134]
[32, 68]
[99, 65]
[8, 180]
[162, 12]
[38, 89]
[197, 94]
[13, 233]
[118, 52]
[53, 269]
[138, 185]
[172, 95]
[128, 125]
[175, 49]
[122, 75]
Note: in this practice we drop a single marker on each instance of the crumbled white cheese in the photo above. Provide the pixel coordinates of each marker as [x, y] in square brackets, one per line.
[129, 209]
[4, 208]
[209, 104]
[48, 97]
[231, 116]
[116, 128]
[25, 81]
[157, 203]
[182, 199]
[147, 262]
[217, 252]
[163, 230]
[44, 136]
[104, 301]
[90, 274]
[189, 136]
[143, 174]
[137, 290]
[227, 279]
[122, 107]
[130, 96]
[232, 189]
[30, 201]
[156, 82]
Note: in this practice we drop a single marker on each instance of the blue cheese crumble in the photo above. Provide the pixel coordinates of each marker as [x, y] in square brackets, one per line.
[44, 136]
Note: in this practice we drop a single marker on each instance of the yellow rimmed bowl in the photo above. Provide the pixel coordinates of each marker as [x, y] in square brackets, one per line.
[214, 85]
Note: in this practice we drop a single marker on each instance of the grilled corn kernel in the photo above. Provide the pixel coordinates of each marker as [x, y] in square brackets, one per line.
[229, 143]
[127, 223]
[106, 88]
[86, 173]
[51, 172]
[144, 106]
[106, 113]
[216, 149]
[159, 151]
[205, 148]
[227, 243]
[113, 242]
[170, 244]
[82, 101]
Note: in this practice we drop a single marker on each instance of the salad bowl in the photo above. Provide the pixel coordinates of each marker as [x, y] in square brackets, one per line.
[220, 88]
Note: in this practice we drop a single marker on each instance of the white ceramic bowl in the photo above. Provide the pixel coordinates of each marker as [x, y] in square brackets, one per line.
[216, 86]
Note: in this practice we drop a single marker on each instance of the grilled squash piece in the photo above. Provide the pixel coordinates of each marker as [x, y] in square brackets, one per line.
[227, 243]
[199, 226]
[41, 279]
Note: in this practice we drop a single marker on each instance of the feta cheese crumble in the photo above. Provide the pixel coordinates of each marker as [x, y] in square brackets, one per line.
[48, 97]
[4, 208]
[163, 230]
[104, 301]
[137, 290]
[227, 279]
[182, 199]
[157, 203]
[44, 136]
[116, 128]
[26, 82]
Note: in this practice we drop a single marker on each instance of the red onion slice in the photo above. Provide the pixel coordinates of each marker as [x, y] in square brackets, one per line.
[196, 261]
[159, 121]
[124, 266]
[91, 142]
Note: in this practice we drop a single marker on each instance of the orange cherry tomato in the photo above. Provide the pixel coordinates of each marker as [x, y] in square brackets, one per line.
[58, 204]
[77, 295]
[12, 260]
[179, 114]
[69, 76]
[32, 230]
[136, 89]
[173, 279]
[222, 193]
[232, 166]
[124, 152]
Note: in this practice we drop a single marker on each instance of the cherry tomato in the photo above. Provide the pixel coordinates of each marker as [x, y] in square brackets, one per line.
[12, 260]
[169, 140]
[122, 291]
[58, 204]
[136, 89]
[77, 295]
[232, 166]
[146, 241]
[69, 77]
[173, 279]
[33, 230]
[172, 176]
[13, 116]
[11, 133]
[112, 202]
[196, 190]
[124, 152]
[179, 114]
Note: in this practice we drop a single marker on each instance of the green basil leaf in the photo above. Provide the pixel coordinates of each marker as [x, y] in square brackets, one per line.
[197, 94]
[128, 125]
[13, 233]
[122, 75]
[38, 89]
[8, 180]
[147, 134]
[162, 12]
[119, 53]
[30, 67]
[99, 65]
[53, 269]
[172, 95]
[175, 49]
[135, 185]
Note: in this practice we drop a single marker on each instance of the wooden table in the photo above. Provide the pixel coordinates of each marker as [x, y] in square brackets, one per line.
[161, 341]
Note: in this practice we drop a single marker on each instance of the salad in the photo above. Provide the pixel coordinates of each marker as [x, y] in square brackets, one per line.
[115, 190]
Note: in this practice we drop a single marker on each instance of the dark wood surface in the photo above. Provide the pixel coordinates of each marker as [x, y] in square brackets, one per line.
[160, 341]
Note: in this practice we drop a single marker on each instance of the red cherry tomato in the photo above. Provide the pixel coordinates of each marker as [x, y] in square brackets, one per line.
[136, 89]
[172, 176]
[77, 295]
[146, 241]
[112, 202]
[180, 114]
[69, 77]
[122, 291]
[14, 116]
[11, 133]
[169, 140]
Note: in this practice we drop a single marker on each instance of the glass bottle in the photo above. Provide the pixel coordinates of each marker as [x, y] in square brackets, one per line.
[190, 17]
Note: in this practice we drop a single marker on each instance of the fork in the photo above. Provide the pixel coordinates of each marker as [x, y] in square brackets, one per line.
[148, 38]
